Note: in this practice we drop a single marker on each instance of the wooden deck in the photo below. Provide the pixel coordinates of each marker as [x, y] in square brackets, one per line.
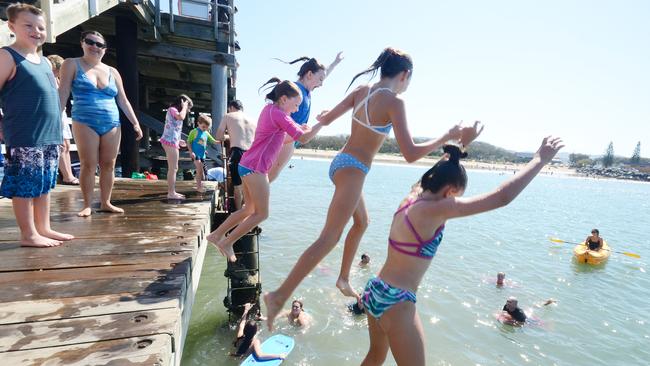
[120, 293]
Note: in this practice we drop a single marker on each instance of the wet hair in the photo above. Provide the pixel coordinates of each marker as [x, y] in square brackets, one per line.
[446, 171]
[237, 104]
[14, 9]
[501, 275]
[250, 330]
[56, 61]
[94, 33]
[311, 64]
[390, 62]
[288, 88]
[203, 119]
[178, 102]
[299, 302]
[364, 256]
[595, 231]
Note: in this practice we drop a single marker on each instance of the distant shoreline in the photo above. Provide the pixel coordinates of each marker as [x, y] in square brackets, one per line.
[428, 162]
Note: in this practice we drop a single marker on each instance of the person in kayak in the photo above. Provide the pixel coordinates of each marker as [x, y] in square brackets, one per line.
[594, 241]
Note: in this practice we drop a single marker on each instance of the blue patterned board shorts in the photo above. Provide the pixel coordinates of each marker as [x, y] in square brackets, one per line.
[379, 296]
[30, 172]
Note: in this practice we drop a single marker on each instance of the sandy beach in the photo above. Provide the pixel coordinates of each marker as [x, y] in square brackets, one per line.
[469, 164]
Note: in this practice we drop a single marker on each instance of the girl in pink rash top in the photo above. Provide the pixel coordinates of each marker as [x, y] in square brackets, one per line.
[274, 123]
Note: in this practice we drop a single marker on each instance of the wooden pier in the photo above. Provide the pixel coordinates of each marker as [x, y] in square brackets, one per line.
[120, 293]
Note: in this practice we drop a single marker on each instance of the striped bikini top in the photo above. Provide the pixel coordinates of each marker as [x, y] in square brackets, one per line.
[382, 130]
[423, 248]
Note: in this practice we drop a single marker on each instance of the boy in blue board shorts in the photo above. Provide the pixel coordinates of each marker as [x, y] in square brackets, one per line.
[197, 143]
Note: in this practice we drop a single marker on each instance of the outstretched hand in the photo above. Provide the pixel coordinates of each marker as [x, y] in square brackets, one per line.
[469, 134]
[321, 116]
[550, 146]
[339, 57]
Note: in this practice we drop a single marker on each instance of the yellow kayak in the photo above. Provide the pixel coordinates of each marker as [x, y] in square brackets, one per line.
[584, 255]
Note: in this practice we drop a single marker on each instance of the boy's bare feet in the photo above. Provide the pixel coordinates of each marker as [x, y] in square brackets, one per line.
[108, 207]
[56, 235]
[38, 241]
[87, 211]
[273, 307]
[346, 289]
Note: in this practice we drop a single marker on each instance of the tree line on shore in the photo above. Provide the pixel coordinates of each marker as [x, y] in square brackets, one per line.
[609, 159]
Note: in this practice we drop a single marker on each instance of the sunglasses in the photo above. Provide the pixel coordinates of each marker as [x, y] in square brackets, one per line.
[90, 42]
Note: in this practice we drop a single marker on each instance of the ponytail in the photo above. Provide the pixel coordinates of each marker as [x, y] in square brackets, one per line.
[311, 64]
[288, 88]
[447, 171]
[390, 62]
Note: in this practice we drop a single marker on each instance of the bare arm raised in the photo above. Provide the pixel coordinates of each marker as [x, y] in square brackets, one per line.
[505, 193]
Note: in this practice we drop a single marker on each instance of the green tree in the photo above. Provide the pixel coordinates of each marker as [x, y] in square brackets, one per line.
[579, 159]
[608, 158]
[636, 156]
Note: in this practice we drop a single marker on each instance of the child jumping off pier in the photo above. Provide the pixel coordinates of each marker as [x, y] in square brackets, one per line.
[415, 235]
[376, 109]
[273, 124]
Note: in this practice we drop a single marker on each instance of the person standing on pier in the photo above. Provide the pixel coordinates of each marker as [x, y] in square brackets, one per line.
[273, 125]
[31, 127]
[310, 76]
[376, 109]
[241, 131]
[171, 140]
[97, 92]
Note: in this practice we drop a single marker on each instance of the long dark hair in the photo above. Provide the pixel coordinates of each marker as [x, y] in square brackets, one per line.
[446, 171]
[286, 87]
[250, 330]
[390, 62]
[311, 64]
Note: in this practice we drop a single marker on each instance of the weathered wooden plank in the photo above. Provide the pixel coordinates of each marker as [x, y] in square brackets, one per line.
[151, 270]
[51, 333]
[10, 263]
[75, 307]
[145, 351]
[93, 287]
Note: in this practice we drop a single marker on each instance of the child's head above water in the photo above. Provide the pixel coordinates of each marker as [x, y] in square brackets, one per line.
[448, 176]
[500, 277]
[391, 63]
[365, 258]
[285, 94]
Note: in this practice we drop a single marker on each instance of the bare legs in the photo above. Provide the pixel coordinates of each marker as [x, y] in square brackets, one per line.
[94, 149]
[254, 211]
[349, 184]
[172, 168]
[399, 329]
[238, 192]
[285, 154]
[65, 167]
[33, 218]
[352, 240]
[198, 164]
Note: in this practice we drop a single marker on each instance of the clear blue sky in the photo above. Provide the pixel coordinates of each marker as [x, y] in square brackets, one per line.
[576, 69]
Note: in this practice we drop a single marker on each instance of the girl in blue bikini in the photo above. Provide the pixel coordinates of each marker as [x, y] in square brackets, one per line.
[415, 234]
[376, 109]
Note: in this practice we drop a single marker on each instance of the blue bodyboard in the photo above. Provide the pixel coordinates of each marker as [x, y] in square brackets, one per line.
[277, 344]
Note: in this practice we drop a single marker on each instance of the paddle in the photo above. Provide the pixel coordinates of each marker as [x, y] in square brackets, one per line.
[633, 255]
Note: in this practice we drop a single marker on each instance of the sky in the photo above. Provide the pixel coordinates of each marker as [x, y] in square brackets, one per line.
[578, 69]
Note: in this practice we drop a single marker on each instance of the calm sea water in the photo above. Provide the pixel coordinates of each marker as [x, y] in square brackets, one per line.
[602, 313]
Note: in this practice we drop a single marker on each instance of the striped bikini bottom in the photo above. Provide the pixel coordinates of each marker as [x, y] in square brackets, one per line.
[379, 296]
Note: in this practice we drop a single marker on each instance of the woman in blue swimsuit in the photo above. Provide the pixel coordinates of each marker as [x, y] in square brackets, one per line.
[415, 234]
[376, 109]
[97, 91]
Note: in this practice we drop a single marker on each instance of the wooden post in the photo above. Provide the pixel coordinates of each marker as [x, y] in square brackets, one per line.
[126, 35]
[219, 94]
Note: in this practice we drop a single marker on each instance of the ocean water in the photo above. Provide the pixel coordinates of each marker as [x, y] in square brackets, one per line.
[602, 313]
